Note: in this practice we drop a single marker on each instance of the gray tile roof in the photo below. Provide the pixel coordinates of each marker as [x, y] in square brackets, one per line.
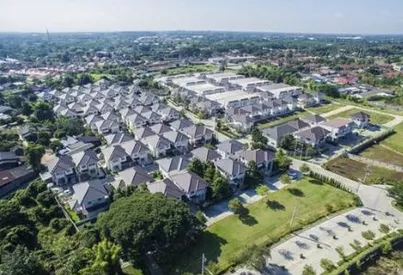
[204, 154]
[360, 116]
[126, 112]
[314, 134]
[297, 124]
[175, 136]
[135, 176]
[160, 128]
[175, 164]
[313, 119]
[181, 123]
[230, 166]
[156, 141]
[117, 138]
[143, 132]
[196, 131]
[258, 156]
[167, 188]
[134, 147]
[90, 191]
[230, 146]
[85, 158]
[113, 152]
[61, 164]
[189, 182]
[279, 132]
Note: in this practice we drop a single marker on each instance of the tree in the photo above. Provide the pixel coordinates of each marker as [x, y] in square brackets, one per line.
[33, 154]
[308, 270]
[44, 138]
[210, 172]
[369, 235]
[26, 109]
[55, 145]
[21, 262]
[254, 257]
[282, 161]
[327, 265]
[383, 228]
[148, 223]
[69, 127]
[236, 206]
[219, 188]
[262, 190]
[68, 81]
[43, 111]
[258, 140]
[396, 192]
[85, 79]
[197, 167]
[285, 179]
[287, 142]
[253, 176]
[15, 101]
[107, 259]
[304, 168]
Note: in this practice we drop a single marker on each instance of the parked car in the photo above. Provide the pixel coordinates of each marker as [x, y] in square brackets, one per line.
[293, 175]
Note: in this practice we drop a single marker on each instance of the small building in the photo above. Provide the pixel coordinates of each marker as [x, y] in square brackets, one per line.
[361, 119]
[229, 148]
[339, 127]
[233, 170]
[313, 136]
[264, 159]
[170, 166]
[133, 176]
[193, 186]
[205, 154]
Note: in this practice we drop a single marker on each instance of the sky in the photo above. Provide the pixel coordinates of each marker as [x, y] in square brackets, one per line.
[306, 16]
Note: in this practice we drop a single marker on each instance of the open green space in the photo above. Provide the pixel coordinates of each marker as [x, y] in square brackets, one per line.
[322, 109]
[268, 221]
[375, 118]
[97, 77]
[190, 69]
[395, 141]
[272, 122]
[380, 153]
[356, 170]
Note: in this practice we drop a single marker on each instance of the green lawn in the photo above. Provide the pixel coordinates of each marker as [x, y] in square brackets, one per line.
[374, 117]
[383, 154]
[130, 270]
[225, 239]
[280, 120]
[97, 77]
[322, 109]
[355, 170]
[396, 140]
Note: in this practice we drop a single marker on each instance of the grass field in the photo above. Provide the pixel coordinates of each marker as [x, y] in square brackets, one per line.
[225, 239]
[395, 141]
[356, 170]
[374, 117]
[191, 69]
[97, 77]
[280, 120]
[379, 153]
[324, 108]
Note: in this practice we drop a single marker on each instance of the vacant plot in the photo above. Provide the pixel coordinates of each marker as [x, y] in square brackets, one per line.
[191, 69]
[380, 153]
[356, 170]
[324, 108]
[272, 122]
[374, 117]
[267, 221]
[395, 142]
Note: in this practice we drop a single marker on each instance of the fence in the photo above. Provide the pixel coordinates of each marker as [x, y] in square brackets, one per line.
[369, 142]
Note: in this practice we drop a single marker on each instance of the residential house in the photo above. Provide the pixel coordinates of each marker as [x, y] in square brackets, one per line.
[205, 154]
[229, 148]
[117, 138]
[124, 113]
[361, 119]
[275, 134]
[90, 198]
[143, 132]
[111, 116]
[181, 123]
[132, 176]
[92, 120]
[9, 160]
[170, 166]
[179, 141]
[137, 151]
[15, 178]
[339, 127]
[233, 170]
[313, 136]
[158, 145]
[135, 121]
[313, 120]
[194, 187]
[167, 188]
[116, 158]
[160, 128]
[86, 165]
[107, 126]
[62, 170]
[264, 159]
[198, 134]
[152, 117]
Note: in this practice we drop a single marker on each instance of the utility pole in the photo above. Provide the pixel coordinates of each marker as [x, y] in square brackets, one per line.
[203, 262]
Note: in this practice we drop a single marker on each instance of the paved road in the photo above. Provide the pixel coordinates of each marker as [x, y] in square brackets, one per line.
[375, 203]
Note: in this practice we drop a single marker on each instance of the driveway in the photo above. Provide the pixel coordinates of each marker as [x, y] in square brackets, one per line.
[219, 211]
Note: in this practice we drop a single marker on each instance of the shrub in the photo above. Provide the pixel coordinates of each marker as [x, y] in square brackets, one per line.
[356, 245]
[340, 251]
[308, 270]
[383, 228]
[200, 216]
[327, 265]
[386, 247]
[369, 235]
[262, 190]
